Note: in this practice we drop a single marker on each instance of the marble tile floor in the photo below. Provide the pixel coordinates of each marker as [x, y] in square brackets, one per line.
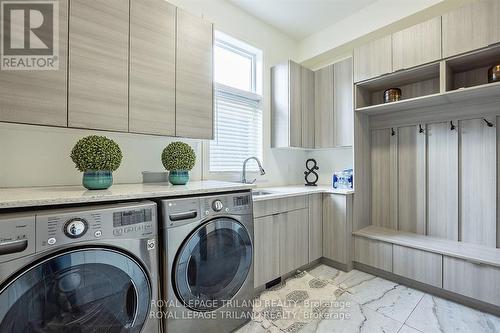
[324, 299]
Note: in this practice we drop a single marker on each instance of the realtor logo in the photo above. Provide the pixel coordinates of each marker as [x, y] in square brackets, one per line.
[30, 35]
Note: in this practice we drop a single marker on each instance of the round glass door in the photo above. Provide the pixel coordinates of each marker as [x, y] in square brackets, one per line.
[84, 291]
[212, 264]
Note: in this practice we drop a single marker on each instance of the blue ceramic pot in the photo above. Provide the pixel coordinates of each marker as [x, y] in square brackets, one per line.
[97, 179]
[178, 177]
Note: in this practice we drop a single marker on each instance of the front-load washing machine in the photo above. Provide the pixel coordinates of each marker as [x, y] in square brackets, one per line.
[207, 267]
[89, 270]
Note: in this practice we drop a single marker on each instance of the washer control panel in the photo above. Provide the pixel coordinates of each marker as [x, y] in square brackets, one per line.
[127, 220]
[217, 205]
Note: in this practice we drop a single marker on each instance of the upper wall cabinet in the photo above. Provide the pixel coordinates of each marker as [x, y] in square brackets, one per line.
[98, 64]
[324, 107]
[38, 97]
[470, 27]
[373, 59]
[417, 45]
[194, 77]
[292, 106]
[152, 67]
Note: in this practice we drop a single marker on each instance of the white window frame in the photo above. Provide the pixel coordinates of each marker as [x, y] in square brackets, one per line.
[256, 55]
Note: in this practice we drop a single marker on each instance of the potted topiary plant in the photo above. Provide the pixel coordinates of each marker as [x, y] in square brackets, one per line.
[178, 158]
[97, 157]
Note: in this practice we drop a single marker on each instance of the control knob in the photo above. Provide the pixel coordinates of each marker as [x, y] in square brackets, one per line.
[75, 228]
[217, 205]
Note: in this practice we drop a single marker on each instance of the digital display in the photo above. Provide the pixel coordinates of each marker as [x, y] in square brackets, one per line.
[241, 201]
[132, 217]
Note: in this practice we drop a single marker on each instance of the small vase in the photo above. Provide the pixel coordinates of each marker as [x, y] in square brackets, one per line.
[178, 177]
[97, 179]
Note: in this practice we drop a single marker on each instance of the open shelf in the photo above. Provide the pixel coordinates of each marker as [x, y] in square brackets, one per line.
[466, 251]
[414, 84]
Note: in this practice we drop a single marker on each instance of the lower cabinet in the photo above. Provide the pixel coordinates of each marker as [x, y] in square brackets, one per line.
[472, 279]
[373, 253]
[315, 226]
[418, 265]
[337, 227]
[294, 239]
[266, 249]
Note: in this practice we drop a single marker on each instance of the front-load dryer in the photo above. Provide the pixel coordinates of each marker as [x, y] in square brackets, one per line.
[88, 269]
[208, 263]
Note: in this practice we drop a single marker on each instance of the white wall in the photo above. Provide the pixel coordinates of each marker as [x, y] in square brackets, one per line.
[39, 156]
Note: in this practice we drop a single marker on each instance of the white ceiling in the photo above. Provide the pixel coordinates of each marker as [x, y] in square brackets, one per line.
[301, 18]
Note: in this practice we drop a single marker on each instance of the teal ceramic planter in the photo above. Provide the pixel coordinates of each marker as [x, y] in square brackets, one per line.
[178, 177]
[97, 179]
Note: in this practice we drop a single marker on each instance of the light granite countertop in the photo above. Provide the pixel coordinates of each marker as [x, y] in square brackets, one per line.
[62, 195]
[295, 190]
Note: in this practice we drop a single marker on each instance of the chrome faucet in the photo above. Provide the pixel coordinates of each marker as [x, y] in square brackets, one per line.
[244, 173]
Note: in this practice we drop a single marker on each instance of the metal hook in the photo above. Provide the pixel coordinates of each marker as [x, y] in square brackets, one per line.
[452, 126]
[490, 124]
[420, 129]
[393, 132]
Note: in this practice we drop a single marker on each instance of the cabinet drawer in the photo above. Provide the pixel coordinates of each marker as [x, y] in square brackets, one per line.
[479, 281]
[422, 266]
[373, 253]
[276, 206]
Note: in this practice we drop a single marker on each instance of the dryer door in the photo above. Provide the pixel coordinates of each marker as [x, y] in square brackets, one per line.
[212, 264]
[85, 290]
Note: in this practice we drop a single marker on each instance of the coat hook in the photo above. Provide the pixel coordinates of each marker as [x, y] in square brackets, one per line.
[490, 124]
[452, 126]
[393, 132]
[420, 129]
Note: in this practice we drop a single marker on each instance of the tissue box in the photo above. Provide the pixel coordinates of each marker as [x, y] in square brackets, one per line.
[343, 179]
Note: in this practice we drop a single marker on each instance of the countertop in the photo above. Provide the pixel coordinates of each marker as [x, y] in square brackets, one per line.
[295, 190]
[61, 195]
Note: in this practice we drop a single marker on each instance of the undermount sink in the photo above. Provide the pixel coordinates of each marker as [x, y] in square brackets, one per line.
[260, 192]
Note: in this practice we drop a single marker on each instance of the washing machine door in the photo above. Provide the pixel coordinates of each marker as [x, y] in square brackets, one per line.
[212, 264]
[86, 290]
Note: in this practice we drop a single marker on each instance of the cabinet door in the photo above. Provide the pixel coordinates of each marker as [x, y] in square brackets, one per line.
[343, 122]
[417, 45]
[266, 250]
[411, 179]
[337, 227]
[471, 27]
[38, 97]
[442, 175]
[307, 107]
[324, 107]
[294, 105]
[98, 64]
[418, 265]
[194, 77]
[478, 185]
[373, 253]
[294, 240]
[373, 59]
[315, 226]
[152, 67]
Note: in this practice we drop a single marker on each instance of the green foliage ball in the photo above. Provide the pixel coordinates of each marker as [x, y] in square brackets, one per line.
[96, 153]
[178, 156]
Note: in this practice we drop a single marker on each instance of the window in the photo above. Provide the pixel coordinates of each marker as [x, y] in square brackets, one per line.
[238, 111]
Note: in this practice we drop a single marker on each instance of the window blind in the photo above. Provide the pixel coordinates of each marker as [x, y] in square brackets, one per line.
[238, 129]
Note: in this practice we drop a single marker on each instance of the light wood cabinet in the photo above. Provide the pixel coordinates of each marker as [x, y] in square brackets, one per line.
[478, 185]
[472, 279]
[38, 97]
[412, 186]
[294, 239]
[152, 67]
[471, 27]
[442, 173]
[381, 177]
[266, 249]
[343, 111]
[418, 265]
[280, 205]
[337, 227]
[417, 45]
[373, 253]
[324, 107]
[98, 64]
[292, 106]
[373, 59]
[194, 77]
[315, 226]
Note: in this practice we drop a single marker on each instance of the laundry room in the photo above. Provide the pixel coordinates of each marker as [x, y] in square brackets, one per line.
[249, 166]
